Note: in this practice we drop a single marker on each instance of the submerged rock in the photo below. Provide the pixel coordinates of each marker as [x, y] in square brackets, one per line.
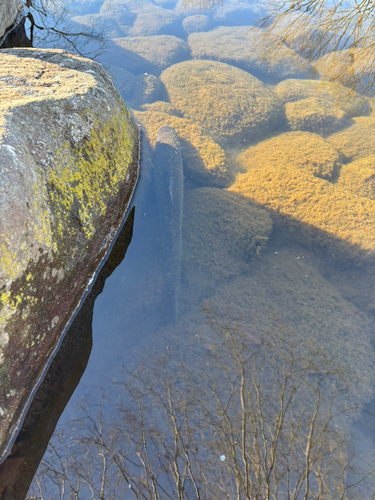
[169, 189]
[354, 68]
[358, 177]
[142, 54]
[357, 141]
[147, 19]
[222, 233]
[314, 115]
[332, 93]
[302, 151]
[232, 106]
[312, 210]
[194, 24]
[204, 161]
[250, 49]
[69, 150]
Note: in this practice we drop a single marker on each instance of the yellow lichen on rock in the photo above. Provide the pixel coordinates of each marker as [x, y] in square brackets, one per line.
[89, 175]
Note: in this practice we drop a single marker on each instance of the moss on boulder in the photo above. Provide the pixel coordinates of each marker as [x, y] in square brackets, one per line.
[232, 106]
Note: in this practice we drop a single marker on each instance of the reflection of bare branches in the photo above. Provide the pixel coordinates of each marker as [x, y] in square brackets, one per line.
[259, 420]
[49, 26]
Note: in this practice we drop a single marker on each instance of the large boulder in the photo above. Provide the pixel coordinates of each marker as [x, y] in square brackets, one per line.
[69, 163]
[313, 210]
[250, 49]
[232, 106]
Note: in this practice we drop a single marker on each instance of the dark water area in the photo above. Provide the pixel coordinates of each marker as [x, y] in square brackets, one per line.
[233, 347]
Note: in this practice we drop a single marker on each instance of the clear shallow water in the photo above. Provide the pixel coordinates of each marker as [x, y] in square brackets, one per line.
[266, 377]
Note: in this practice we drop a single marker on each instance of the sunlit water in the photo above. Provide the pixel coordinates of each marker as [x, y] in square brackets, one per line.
[252, 374]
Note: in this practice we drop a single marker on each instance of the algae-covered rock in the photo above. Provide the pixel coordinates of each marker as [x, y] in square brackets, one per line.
[332, 93]
[311, 210]
[353, 67]
[302, 151]
[314, 115]
[141, 17]
[357, 141]
[250, 49]
[194, 24]
[232, 106]
[286, 298]
[204, 160]
[69, 156]
[222, 233]
[142, 54]
[137, 90]
[156, 21]
[238, 13]
[358, 177]
[113, 26]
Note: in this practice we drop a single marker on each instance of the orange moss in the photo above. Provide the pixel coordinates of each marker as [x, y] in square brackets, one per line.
[358, 141]
[300, 150]
[358, 177]
[316, 211]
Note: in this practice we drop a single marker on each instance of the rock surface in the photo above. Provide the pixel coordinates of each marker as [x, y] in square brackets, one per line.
[69, 151]
[9, 12]
[232, 106]
[250, 49]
